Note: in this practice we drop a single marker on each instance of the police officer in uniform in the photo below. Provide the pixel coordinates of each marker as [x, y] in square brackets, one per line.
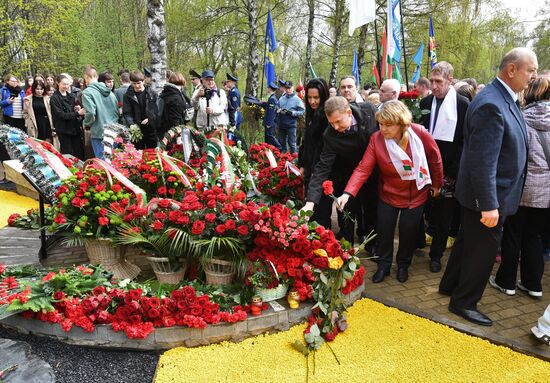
[233, 102]
[270, 116]
[195, 79]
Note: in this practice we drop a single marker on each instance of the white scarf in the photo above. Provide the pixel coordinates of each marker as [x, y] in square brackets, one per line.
[417, 169]
[444, 129]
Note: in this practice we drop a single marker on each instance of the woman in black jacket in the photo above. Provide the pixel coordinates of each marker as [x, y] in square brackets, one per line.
[67, 118]
[175, 103]
[139, 107]
[312, 144]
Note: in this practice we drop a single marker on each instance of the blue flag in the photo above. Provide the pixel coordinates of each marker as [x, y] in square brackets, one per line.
[355, 69]
[418, 61]
[432, 47]
[270, 45]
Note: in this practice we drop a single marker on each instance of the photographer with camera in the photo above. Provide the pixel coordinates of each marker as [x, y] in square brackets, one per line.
[210, 103]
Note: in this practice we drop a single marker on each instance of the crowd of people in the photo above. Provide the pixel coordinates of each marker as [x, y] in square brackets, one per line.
[471, 171]
[71, 113]
[473, 167]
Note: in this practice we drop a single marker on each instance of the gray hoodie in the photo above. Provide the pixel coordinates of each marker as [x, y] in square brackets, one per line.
[535, 192]
[101, 107]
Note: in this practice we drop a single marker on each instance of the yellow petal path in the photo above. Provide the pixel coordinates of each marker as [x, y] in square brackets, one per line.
[14, 203]
[382, 344]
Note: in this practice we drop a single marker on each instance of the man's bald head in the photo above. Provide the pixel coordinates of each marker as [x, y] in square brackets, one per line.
[389, 90]
[518, 68]
[516, 56]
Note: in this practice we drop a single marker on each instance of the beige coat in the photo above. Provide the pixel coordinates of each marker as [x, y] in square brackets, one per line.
[30, 119]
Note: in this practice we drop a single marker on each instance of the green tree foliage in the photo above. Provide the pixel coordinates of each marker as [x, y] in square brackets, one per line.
[38, 35]
[54, 36]
[541, 37]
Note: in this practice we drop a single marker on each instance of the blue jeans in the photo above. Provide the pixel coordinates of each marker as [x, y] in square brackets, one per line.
[270, 138]
[97, 146]
[287, 133]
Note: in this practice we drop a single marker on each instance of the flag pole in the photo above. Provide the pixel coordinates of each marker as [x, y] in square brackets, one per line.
[378, 63]
[403, 38]
[263, 71]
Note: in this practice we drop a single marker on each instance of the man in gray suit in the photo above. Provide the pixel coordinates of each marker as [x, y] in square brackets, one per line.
[490, 181]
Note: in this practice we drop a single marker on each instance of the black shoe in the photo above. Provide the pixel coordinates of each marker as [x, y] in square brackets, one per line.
[472, 316]
[380, 275]
[435, 265]
[402, 274]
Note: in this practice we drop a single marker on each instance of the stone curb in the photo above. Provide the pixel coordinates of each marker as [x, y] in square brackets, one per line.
[164, 338]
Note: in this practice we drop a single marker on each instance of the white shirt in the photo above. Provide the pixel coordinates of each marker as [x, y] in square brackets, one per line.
[512, 93]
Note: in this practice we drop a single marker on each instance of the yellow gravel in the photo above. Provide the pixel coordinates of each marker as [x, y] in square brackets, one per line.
[382, 344]
[14, 203]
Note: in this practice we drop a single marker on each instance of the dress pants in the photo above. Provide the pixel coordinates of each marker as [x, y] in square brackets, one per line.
[471, 260]
[522, 245]
[367, 207]
[270, 137]
[322, 213]
[441, 216]
[287, 135]
[73, 145]
[409, 220]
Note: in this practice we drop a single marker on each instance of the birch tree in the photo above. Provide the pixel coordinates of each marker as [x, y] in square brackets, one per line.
[156, 40]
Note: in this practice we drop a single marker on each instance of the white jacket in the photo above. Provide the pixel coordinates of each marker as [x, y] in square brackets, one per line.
[218, 103]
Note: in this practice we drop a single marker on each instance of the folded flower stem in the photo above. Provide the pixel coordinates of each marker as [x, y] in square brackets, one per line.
[333, 353]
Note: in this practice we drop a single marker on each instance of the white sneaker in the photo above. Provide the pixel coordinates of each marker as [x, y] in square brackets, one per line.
[493, 283]
[536, 294]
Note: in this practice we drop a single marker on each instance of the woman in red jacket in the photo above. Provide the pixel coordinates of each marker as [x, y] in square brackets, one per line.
[410, 165]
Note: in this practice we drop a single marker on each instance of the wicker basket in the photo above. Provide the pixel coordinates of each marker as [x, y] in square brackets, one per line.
[218, 271]
[102, 252]
[163, 270]
[273, 294]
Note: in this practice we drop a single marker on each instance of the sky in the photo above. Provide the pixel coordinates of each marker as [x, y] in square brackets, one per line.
[525, 11]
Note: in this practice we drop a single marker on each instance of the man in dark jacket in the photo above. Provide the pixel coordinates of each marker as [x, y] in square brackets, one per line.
[140, 108]
[444, 122]
[343, 148]
[270, 107]
[368, 195]
[490, 182]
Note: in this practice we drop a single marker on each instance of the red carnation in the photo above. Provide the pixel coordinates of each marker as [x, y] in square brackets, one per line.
[230, 224]
[116, 188]
[220, 229]
[12, 218]
[198, 227]
[242, 230]
[157, 225]
[327, 187]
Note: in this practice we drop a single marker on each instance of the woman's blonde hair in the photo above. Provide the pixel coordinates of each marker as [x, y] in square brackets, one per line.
[394, 113]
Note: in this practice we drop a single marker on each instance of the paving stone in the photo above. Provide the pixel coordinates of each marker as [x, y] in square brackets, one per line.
[29, 368]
